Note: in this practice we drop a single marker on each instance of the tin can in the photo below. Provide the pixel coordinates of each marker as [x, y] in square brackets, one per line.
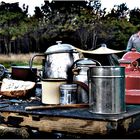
[107, 89]
[68, 94]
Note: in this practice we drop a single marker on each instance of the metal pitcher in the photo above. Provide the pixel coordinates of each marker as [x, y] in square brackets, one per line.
[58, 60]
[80, 68]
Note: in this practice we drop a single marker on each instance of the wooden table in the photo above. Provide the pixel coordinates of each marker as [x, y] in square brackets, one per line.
[72, 122]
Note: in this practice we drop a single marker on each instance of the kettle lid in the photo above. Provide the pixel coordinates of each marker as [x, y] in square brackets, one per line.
[85, 62]
[60, 48]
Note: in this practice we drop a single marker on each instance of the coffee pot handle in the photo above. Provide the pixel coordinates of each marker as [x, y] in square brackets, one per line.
[31, 64]
[97, 62]
[75, 71]
[82, 84]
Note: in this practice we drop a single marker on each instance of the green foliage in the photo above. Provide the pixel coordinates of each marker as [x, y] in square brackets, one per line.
[80, 23]
[135, 16]
[118, 33]
[11, 23]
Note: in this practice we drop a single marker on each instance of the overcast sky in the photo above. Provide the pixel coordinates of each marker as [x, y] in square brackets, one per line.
[131, 4]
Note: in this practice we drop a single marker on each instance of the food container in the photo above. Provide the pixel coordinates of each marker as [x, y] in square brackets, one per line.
[107, 89]
[68, 94]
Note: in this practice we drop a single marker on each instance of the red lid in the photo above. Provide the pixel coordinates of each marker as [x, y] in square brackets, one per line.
[130, 56]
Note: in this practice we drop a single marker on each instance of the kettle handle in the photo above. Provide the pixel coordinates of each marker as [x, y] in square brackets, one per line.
[87, 59]
[31, 64]
[82, 84]
[75, 70]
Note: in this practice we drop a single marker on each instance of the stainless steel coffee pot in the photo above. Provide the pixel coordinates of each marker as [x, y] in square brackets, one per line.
[58, 60]
[80, 68]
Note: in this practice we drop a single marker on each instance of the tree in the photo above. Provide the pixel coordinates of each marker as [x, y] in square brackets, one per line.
[63, 19]
[80, 23]
[11, 23]
[135, 16]
[118, 12]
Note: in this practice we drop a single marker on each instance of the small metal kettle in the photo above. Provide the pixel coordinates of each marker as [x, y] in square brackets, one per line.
[58, 60]
[80, 68]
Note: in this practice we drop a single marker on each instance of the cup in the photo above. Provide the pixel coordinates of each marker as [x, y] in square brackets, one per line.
[50, 90]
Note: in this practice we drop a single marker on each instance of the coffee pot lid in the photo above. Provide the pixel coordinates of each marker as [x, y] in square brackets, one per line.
[85, 62]
[60, 48]
[68, 86]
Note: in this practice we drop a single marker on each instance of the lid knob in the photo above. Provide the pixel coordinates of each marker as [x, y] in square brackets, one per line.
[104, 45]
[58, 42]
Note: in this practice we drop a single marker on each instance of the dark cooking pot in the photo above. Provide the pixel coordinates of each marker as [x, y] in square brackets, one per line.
[24, 73]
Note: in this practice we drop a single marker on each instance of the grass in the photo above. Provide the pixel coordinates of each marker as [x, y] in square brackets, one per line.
[18, 59]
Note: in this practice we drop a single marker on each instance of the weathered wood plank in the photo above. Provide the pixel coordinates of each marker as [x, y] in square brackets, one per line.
[12, 132]
[60, 122]
[68, 125]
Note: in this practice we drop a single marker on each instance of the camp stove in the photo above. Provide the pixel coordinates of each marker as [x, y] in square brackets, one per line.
[131, 62]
